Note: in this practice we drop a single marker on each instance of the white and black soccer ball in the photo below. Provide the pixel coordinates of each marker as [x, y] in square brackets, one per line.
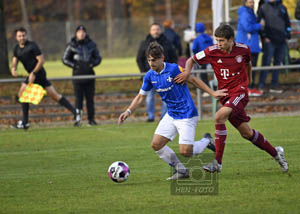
[118, 171]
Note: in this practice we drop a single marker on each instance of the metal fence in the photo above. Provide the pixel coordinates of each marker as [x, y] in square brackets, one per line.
[195, 72]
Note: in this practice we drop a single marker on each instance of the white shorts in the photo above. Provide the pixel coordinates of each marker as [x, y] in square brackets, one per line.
[169, 128]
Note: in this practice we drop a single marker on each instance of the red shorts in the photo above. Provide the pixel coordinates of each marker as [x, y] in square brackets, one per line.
[238, 104]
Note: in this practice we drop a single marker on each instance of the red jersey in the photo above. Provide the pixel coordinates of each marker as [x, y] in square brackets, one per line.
[229, 68]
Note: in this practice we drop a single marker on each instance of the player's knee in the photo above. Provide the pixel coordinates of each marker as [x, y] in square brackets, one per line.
[155, 146]
[56, 97]
[246, 134]
[186, 152]
[218, 119]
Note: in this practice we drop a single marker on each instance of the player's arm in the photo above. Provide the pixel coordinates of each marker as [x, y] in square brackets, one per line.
[181, 78]
[14, 66]
[201, 85]
[134, 104]
[249, 72]
[39, 65]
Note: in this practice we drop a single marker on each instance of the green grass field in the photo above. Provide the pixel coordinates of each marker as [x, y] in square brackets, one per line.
[64, 170]
[108, 66]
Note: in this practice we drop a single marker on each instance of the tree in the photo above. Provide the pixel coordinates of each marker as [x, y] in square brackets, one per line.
[26, 19]
[114, 9]
[4, 69]
[168, 9]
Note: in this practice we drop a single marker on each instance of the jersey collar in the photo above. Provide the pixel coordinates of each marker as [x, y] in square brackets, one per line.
[162, 69]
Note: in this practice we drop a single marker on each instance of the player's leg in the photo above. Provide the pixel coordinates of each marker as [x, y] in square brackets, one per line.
[220, 138]
[221, 117]
[165, 132]
[60, 99]
[261, 142]
[256, 138]
[24, 123]
[187, 144]
[207, 141]
[25, 108]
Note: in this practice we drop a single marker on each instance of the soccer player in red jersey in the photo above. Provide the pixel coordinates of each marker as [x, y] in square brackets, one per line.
[232, 67]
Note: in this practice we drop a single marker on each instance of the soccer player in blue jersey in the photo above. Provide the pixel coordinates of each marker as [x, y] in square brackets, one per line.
[182, 115]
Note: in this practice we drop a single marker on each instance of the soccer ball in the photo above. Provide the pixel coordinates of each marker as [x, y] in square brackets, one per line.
[118, 171]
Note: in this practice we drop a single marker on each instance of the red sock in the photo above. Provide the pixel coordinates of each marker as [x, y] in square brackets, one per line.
[259, 141]
[220, 138]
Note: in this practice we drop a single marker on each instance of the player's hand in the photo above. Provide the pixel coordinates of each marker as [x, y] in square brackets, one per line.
[267, 40]
[31, 77]
[123, 117]
[14, 72]
[263, 23]
[220, 93]
[181, 78]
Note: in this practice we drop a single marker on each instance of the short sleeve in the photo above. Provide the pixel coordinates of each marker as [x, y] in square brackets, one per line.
[202, 57]
[36, 50]
[147, 85]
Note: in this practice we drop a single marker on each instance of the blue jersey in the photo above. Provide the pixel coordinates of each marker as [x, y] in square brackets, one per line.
[177, 97]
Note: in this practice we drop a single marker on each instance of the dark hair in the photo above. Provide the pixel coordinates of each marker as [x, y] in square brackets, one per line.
[21, 29]
[155, 50]
[224, 31]
[155, 23]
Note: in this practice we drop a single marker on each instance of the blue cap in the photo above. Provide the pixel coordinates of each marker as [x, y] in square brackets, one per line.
[200, 28]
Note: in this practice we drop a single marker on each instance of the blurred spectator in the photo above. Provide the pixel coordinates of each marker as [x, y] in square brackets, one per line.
[82, 55]
[275, 34]
[297, 11]
[248, 33]
[155, 34]
[201, 42]
[172, 36]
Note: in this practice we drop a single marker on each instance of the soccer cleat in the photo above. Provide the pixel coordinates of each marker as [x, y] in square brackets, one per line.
[280, 159]
[211, 144]
[21, 125]
[93, 123]
[179, 175]
[78, 117]
[255, 92]
[276, 90]
[213, 167]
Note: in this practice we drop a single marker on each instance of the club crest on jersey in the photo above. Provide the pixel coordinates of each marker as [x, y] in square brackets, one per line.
[169, 79]
[239, 58]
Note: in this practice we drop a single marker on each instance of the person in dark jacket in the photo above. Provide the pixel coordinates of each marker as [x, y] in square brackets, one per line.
[297, 11]
[201, 42]
[172, 36]
[155, 34]
[248, 33]
[275, 35]
[82, 55]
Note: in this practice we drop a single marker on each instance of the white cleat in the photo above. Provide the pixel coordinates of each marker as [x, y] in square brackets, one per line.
[179, 175]
[213, 167]
[280, 159]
